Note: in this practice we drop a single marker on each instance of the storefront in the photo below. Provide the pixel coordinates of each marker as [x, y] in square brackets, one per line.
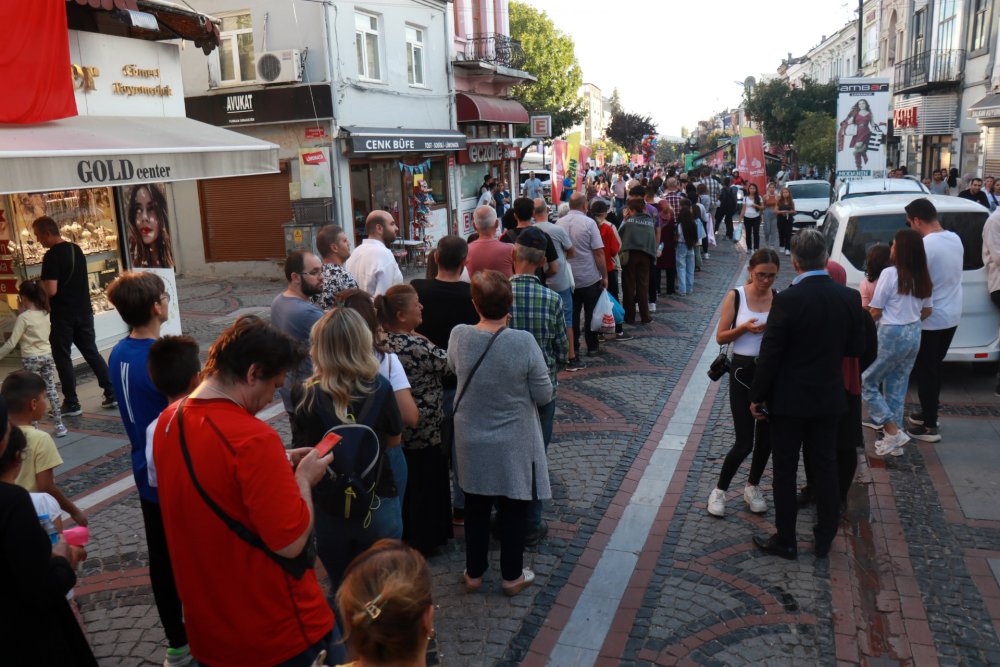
[927, 127]
[406, 172]
[103, 176]
[987, 114]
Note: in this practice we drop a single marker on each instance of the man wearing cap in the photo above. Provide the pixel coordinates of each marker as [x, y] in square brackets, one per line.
[524, 211]
[539, 311]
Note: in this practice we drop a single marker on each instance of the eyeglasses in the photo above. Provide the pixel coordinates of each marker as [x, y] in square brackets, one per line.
[765, 276]
[165, 297]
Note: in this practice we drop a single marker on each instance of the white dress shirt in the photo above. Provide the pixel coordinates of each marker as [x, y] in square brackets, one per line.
[374, 267]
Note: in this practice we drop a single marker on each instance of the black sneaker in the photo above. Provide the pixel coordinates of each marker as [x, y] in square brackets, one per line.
[924, 433]
[596, 352]
[71, 409]
[575, 364]
[537, 535]
[109, 402]
[624, 336]
[915, 419]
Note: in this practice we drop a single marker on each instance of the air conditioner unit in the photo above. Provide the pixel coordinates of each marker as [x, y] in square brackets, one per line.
[279, 66]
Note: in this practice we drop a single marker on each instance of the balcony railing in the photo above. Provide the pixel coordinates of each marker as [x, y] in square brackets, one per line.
[929, 69]
[495, 49]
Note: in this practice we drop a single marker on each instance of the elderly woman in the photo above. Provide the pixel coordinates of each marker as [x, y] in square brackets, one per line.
[502, 378]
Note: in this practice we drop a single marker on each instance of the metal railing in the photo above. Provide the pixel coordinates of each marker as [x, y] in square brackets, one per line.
[495, 49]
[929, 68]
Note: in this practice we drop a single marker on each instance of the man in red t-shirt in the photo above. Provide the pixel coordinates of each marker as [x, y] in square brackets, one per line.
[486, 252]
[240, 607]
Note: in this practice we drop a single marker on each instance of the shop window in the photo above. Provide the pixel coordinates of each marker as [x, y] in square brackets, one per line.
[235, 54]
[361, 198]
[415, 55]
[472, 179]
[979, 34]
[366, 40]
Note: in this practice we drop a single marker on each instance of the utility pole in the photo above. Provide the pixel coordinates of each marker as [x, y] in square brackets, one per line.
[861, 29]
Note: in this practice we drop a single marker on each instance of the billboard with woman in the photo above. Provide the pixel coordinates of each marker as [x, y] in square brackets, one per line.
[147, 226]
[863, 117]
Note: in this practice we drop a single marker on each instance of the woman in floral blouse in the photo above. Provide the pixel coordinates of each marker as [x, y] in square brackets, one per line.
[427, 502]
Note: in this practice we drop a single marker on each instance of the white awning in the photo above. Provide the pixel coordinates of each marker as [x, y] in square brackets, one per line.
[95, 151]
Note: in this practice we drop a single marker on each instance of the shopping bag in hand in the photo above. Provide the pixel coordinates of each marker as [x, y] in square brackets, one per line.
[617, 309]
[737, 231]
[603, 320]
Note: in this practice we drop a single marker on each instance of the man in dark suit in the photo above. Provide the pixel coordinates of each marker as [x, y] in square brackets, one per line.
[799, 388]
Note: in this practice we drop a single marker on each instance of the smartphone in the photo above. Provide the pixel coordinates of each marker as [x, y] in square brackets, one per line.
[328, 442]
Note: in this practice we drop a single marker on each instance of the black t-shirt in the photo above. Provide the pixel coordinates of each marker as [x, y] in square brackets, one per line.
[510, 236]
[446, 305]
[309, 426]
[980, 197]
[67, 265]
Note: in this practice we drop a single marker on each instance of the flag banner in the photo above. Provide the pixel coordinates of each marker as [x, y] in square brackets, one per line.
[863, 117]
[559, 150]
[750, 158]
[35, 66]
[581, 172]
[573, 158]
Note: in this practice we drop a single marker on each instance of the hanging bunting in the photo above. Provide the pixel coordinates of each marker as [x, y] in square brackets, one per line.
[412, 169]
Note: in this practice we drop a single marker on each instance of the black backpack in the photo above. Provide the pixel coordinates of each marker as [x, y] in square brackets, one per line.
[348, 490]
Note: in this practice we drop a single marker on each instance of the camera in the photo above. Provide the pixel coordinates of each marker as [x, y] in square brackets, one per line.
[719, 367]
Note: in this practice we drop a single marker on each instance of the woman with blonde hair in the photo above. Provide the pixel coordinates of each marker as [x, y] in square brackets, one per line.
[346, 388]
[386, 606]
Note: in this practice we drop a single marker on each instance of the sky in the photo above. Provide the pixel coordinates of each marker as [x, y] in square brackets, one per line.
[689, 69]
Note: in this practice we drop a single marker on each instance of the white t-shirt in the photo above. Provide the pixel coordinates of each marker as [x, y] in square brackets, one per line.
[945, 256]
[46, 504]
[486, 199]
[391, 368]
[896, 308]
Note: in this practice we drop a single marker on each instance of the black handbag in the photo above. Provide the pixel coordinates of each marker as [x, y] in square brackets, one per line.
[721, 365]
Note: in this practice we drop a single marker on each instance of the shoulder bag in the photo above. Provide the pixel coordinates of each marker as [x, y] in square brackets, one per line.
[721, 365]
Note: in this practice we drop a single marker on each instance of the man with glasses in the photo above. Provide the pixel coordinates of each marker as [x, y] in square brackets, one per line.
[294, 312]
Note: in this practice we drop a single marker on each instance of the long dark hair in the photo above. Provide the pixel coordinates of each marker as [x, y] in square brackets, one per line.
[911, 264]
[32, 290]
[161, 254]
[876, 260]
[756, 193]
[688, 227]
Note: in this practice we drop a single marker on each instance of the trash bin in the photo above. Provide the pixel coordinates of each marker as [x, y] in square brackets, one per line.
[298, 235]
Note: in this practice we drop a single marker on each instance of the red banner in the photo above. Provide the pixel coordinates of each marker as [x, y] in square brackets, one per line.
[559, 148]
[582, 171]
[750, 160]
[34, 62]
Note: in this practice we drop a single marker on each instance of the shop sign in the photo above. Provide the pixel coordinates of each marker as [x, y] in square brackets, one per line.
[270, 105]
[488, 152]
[988, 112]
[315, 132]
[905, 117]
[541, 127]
[404, 143]
[120, 76]
[119, 171]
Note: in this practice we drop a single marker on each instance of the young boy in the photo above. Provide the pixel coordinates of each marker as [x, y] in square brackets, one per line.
[175, 369]
[25, 393]
[142, 302]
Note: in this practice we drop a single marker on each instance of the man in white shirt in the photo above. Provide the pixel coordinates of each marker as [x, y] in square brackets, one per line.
[945, 259]
[487, 196]
[590, 273]
[372, 263]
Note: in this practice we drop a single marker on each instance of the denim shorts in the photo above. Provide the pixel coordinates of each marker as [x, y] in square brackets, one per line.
[567, 301]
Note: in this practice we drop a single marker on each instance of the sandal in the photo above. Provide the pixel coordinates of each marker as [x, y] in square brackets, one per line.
[526, 579]
[471, 585]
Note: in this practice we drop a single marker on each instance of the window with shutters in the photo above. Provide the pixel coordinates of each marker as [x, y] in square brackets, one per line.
[242, 217]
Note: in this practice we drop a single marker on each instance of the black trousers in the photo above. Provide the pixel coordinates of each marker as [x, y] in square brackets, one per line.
[850, 438]
[513, 518]
[636, 287]
[161, 576]
[751, 435]
[585, 298]
[817, 437]
[785, 232]
[728, 218]
[752, 231]
[927, 370]
[77, 330]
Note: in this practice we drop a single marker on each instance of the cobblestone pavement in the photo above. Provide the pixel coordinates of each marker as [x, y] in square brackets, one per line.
[909, 580]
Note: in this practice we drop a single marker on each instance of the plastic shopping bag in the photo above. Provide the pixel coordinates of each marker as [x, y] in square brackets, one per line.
[617, 309]
[603, 320]
[737, 231]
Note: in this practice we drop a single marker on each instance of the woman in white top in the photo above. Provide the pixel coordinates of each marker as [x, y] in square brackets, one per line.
[743, 326]
[753, 206]
[901, 300]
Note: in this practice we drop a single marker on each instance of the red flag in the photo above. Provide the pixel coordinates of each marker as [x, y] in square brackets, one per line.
[34, 62]
[582, 171]
[750, 160]
[559, 148]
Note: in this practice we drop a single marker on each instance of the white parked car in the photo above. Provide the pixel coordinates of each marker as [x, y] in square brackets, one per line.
[854, 225]
[812, 199]
[879, 186]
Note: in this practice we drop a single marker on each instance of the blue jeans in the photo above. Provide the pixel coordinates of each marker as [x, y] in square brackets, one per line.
[546, 414]
[897, 350]
[339, 540]
[685, 268]
[400, 471]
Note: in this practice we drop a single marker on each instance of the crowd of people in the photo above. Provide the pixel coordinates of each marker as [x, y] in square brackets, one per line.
[415, 408]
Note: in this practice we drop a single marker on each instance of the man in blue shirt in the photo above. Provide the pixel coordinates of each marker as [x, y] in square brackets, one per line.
[294, 312]
[143, 303]
[532, 187]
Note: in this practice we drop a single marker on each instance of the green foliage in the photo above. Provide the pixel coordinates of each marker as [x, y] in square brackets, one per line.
[609, 147]
[615, 102]
[550, 57]
[628, 129]
[816, 139]
[780, 109]
[667, 152]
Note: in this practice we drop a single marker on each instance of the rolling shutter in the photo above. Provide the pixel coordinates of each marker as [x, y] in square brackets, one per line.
[242, 217]
[992, 150]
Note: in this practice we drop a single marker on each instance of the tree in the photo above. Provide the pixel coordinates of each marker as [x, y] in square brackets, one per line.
[667, 152]
[628, 129]
[550, 58]
[615, 102]
[816, 139]
[780, 109]
[609, 147]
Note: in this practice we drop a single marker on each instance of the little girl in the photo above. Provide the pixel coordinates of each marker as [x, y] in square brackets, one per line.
[31, 330]
[876, 260]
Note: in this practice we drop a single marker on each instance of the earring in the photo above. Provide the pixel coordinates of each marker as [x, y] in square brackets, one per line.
[432, 635]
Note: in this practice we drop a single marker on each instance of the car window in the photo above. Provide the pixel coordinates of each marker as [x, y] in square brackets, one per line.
[830, 226]
[809, 191]
[864, 231]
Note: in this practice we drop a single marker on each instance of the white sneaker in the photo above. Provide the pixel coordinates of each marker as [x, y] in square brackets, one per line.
[891, 443]
[717, 502]
[755, 499]
[706, 256]
[652, 307]
[61, 430]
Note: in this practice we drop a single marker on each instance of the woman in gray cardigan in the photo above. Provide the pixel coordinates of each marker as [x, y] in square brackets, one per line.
[498, 438]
